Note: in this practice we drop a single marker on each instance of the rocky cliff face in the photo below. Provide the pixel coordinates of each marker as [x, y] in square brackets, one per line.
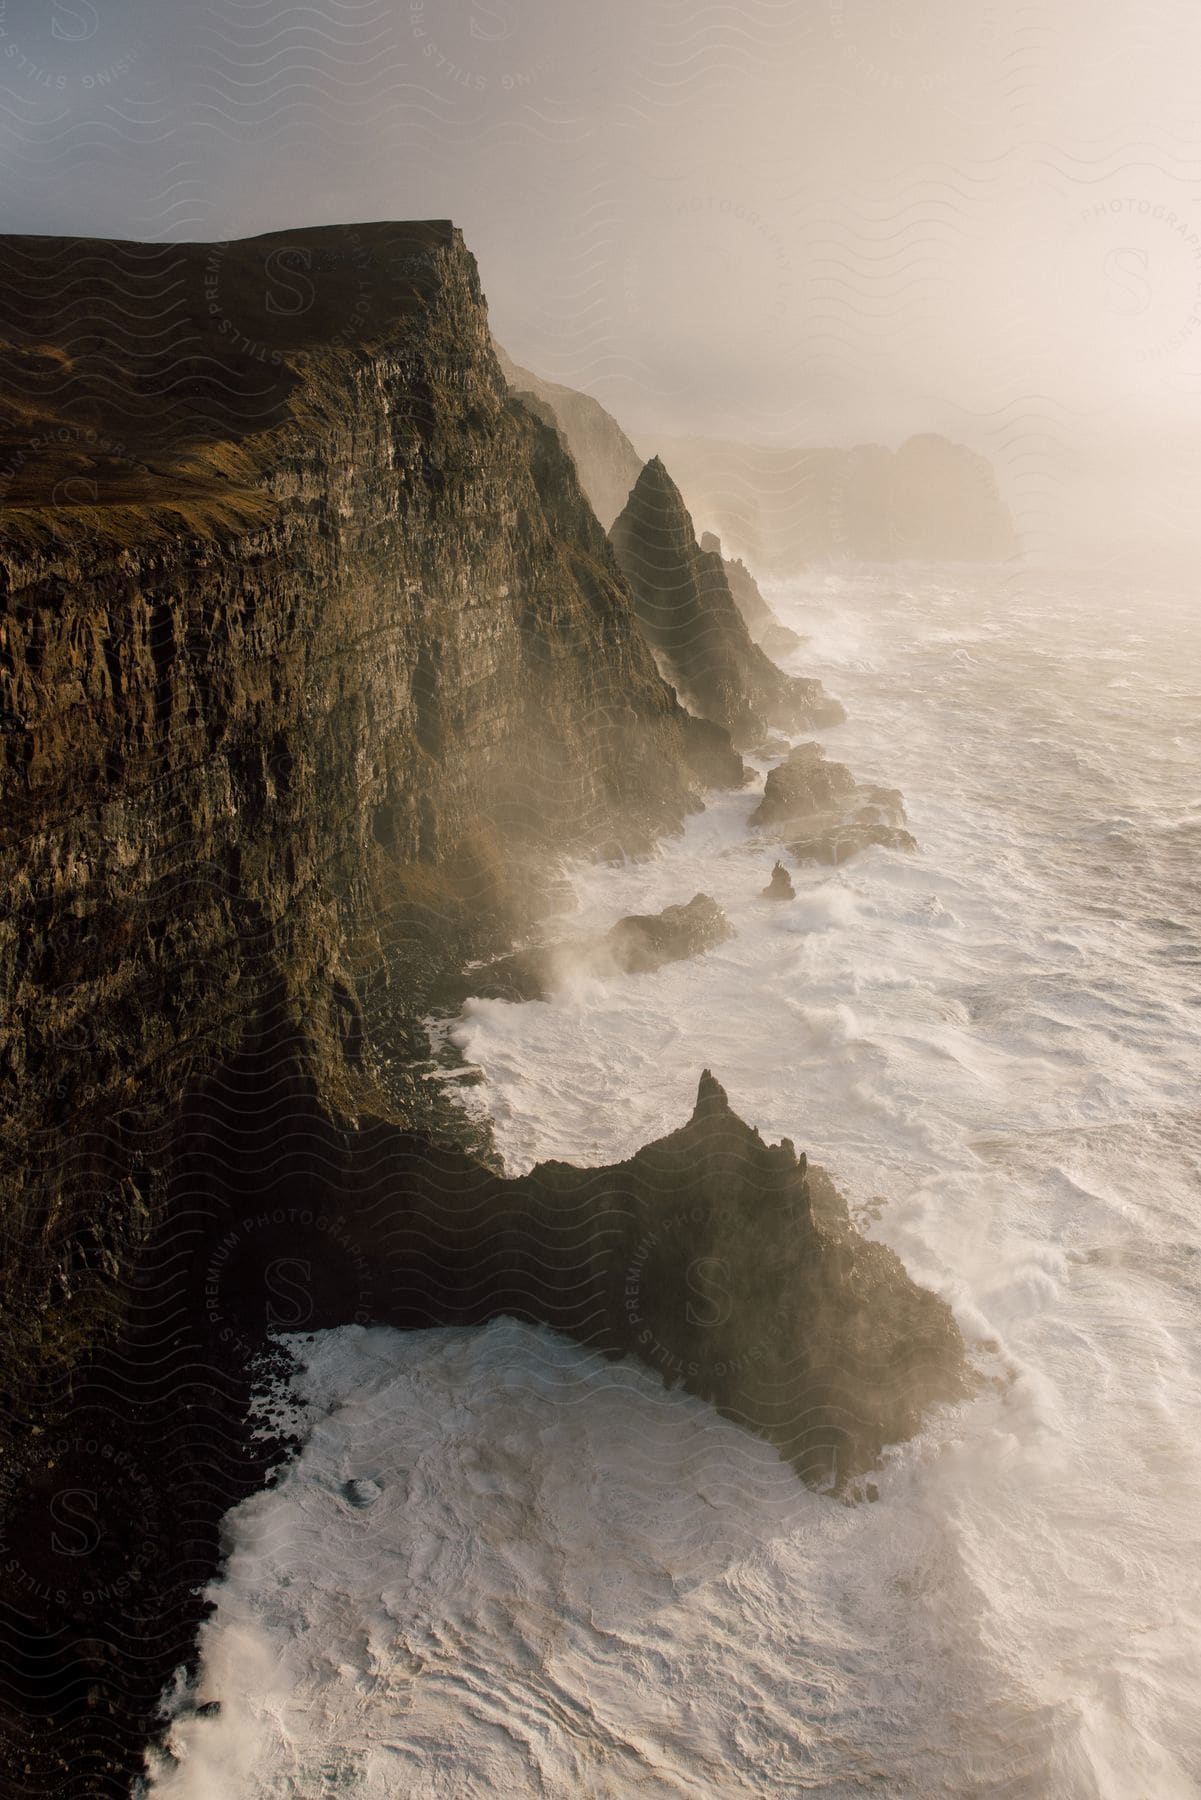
[314, 660]
[930, 500]
[687, 613]
[606, 460]
[301, 683]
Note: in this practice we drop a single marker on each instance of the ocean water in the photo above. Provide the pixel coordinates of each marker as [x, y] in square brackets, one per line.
[502, 1567]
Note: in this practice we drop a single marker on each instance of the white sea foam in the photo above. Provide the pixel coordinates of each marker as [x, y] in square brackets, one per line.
[570, 1582]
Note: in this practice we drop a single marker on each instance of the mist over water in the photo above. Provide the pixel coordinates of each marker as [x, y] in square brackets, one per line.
[547, 1574]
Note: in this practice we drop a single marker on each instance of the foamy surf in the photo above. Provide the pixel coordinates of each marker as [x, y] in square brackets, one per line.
[502, 1565]
[552, 1577]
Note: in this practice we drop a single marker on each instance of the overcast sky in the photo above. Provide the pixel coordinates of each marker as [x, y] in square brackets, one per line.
[791, 221]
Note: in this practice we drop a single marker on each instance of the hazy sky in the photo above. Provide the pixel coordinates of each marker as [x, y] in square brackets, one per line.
[794, 221]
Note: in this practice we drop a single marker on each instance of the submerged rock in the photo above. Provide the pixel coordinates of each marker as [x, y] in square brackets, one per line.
[361, 1491]
[684, 606]
[780, 886]
[837, 843]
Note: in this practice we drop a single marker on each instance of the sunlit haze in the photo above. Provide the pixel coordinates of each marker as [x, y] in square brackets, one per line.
[788, 224]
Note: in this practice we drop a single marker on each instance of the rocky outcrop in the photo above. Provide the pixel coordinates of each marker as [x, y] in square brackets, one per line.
[683, 603]
[803, 785]
[780, 886]
[931, 499]
[637, 945]
[834, 816]
[836, 841]
[713, 1256]
[772, 637]
[606, 461]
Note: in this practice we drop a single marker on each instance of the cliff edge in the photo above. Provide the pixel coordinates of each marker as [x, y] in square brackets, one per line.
[606, 460]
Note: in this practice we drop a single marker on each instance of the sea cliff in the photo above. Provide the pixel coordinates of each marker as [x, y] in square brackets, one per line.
[306, 686]
[315, 663]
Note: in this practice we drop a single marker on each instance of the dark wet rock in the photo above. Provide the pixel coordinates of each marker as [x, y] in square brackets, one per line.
[645, 941]
[780, 886]
[360, 1491]
[721, 1261]
[802, 785]
[636, 945]
[727, 1264]
[840, 817]
[687, 613]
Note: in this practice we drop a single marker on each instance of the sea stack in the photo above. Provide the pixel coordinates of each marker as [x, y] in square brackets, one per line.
[684, 606]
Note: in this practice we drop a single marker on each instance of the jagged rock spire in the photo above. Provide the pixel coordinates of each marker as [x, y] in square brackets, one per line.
[688, 615]
[711, 1096]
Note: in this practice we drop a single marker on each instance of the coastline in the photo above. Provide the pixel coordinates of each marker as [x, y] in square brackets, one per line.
[300, 775]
